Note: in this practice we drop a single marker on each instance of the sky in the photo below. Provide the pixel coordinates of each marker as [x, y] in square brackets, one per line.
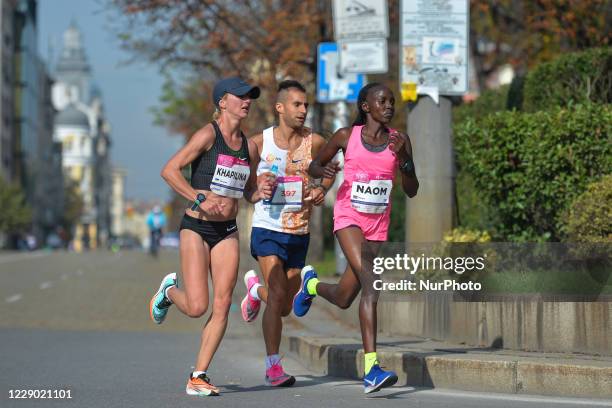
[128, 92]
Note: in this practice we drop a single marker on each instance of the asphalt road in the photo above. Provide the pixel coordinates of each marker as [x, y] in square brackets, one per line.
[80, 323]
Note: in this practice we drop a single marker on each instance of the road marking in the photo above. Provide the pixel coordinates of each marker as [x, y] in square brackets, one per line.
[535, 399]
[519, 398]
[21, 257]
[13, 298]
[45, 285]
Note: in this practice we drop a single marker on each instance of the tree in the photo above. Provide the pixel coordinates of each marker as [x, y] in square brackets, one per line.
[266, 42]
[15, 214]
[184, 106]
[524, 33]
[269, 40]
[262, 41]
[73, 206]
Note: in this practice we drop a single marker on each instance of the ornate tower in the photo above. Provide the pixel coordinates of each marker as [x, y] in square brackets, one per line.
[72, 73]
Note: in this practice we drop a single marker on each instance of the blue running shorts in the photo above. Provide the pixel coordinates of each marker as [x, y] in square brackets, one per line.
[291, 248]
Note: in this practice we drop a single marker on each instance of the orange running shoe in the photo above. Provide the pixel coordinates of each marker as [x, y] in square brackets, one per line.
[201, 386]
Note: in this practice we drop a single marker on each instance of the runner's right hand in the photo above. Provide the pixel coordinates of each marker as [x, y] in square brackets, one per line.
[212, 206]
[330, 169]
[265, 184]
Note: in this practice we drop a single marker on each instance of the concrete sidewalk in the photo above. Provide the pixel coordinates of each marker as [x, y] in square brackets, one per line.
[330, 346]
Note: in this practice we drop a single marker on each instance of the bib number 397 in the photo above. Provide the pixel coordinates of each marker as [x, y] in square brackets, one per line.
[371, 197]
[288, 193]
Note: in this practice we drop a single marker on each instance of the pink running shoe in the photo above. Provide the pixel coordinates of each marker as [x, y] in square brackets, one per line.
[276, 376]
[249, 305]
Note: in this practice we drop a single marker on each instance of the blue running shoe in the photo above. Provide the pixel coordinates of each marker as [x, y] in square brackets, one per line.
[378, 378]
[159, 305]
[302, 299]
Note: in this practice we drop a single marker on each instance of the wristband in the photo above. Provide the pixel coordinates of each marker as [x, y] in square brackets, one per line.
[313, 185]
[200, 198]
[407, 166]
[325, 189]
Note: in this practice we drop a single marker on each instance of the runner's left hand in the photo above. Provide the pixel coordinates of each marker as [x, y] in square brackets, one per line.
[317, 195]
[398, 144]
[331, 168]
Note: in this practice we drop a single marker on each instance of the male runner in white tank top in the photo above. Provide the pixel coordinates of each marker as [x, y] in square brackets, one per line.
[280, 235]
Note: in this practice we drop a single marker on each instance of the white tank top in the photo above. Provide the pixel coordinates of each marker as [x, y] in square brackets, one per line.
[285, 212]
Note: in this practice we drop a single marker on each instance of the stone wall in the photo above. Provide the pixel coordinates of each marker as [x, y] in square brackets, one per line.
[519, 322]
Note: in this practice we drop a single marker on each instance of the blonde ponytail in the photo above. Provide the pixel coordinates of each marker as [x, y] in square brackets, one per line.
[217, 114]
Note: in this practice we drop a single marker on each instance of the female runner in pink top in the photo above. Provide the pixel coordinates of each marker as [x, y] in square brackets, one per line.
[373, 152]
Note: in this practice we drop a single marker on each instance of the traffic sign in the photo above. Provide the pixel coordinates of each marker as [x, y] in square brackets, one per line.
[434, 45]
[332, 85]
[364, 56]
[359, 19]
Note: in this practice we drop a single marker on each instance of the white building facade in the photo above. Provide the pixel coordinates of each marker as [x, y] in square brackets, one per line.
[83, 130]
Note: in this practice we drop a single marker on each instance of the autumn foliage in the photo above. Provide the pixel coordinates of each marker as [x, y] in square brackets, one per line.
[524, 33]
[266, 41]
[262, 41]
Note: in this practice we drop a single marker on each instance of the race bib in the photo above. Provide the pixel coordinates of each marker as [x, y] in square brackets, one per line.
[287, 193]
[371, 197]
[230, 176]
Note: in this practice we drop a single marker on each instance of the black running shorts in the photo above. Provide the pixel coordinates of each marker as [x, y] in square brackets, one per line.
[212, 232]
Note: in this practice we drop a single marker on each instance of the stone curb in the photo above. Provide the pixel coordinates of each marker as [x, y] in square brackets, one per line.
[342, 357]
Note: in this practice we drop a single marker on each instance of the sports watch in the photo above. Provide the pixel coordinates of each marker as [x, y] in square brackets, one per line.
[200, 198]
[407, 166]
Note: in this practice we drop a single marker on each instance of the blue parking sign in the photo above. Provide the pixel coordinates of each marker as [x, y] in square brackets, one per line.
[333, 86]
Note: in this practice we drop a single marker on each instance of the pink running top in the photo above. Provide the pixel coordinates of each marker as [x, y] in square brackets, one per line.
[363, 198]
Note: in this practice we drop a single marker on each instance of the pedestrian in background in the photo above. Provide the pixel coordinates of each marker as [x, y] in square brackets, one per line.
[156, 221]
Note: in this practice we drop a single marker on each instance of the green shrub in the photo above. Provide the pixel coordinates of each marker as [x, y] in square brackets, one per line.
[465, 235]
[491, 100]
[529, 167]
[472, 212]
[572, 78]
[589, 217]
[589, 227]
[515, 93]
